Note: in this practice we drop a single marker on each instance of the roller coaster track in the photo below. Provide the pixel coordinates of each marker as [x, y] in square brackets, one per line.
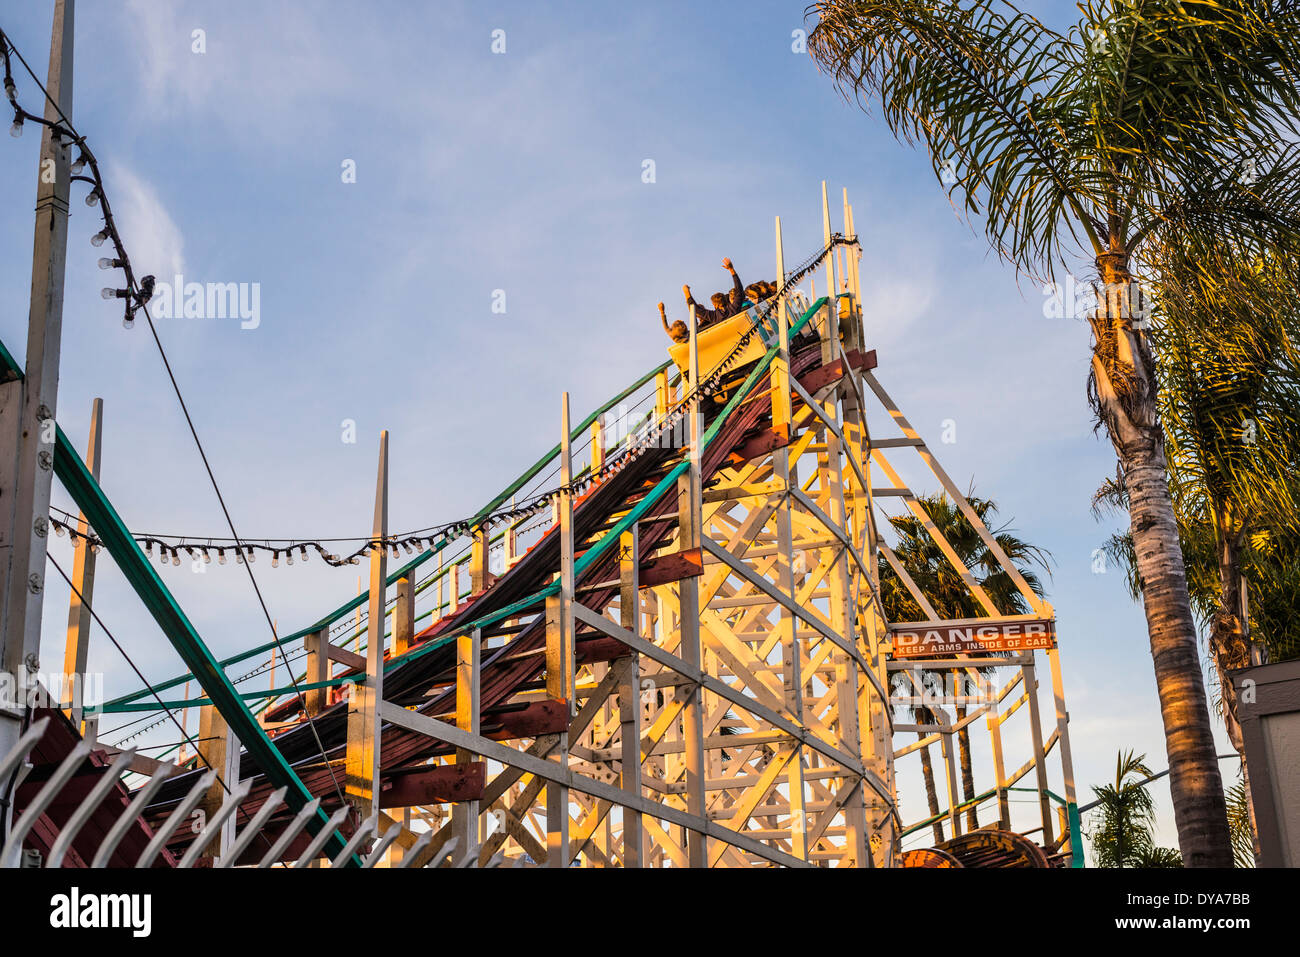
[735, 713]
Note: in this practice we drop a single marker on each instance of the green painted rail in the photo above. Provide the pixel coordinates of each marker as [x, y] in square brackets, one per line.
[162, 605]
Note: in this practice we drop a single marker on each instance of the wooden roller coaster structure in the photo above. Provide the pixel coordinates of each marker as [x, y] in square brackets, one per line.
[687, 664]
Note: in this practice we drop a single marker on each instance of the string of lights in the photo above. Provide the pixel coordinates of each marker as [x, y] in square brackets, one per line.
[136, 295]
[133, 293]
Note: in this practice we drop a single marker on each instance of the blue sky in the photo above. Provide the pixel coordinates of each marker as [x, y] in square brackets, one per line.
[521, 172]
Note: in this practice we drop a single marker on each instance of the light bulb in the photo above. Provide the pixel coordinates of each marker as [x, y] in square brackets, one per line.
[92, 198]
[304, 553]
[251, 557]
[17, 129]
[106, 263]
[288, 557]
[99, 237]
[221, 556]
[58, 529]
[275, 559]
[176, 557]
[79, 164]
[108, 292]
[207, 557]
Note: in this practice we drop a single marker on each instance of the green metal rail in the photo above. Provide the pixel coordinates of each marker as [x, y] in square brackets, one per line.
[162, 605]
[364, 597]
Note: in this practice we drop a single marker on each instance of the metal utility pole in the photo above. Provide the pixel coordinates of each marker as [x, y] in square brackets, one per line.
[27, 405]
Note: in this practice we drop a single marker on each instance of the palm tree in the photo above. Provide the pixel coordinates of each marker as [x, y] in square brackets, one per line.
[1241, 824]
[1230, 397]
[944, 588]
[922, 714]
[1126, 815]
[1125, 132]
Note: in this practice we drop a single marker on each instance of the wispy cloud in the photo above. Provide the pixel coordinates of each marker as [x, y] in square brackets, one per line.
[157, 245]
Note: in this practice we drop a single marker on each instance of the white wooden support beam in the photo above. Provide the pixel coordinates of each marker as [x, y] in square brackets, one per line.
[560, 672]
[77, 646]
[689, 519]
[1040, 753]
[219, 750]
[363, 748]
[468, 649]
[480, 551]
[1063, 733]
[831, 337]
[781, 407]
[317, 646]
[403, 616]
[629, 697]
[946, 740]
[791, 650]
[597, 445]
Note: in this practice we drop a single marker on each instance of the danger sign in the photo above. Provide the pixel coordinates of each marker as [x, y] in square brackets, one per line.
[915, 640]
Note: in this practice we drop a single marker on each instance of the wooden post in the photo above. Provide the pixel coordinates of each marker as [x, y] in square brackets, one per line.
[791, 652]
[442, 583]
[478, 563]
[781, 410]
[843, 618]
[318, 669]
[363, 749]
[853, 255]
[220, 750]
[28, 405]
[832, 330]
[629, 697]
[1040, 756]
[689, 518]
[560, 677]
[465, 813]
[597, 445]
[994, 721]
[404, 617]
[182, 753]
[950, 764]
[77, 646]
[1063, 742]
[275, 632]
[511, 541]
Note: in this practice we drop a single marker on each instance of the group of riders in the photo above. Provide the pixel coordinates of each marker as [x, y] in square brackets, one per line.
[725, 304]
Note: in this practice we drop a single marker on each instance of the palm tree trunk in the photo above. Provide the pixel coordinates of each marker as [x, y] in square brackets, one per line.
[1125, 390]
[931, 795]
[1230, 646]
[923, 716]
[967, 775]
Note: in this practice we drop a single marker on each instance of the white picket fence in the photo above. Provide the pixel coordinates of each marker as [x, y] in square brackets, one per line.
[11, 854]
